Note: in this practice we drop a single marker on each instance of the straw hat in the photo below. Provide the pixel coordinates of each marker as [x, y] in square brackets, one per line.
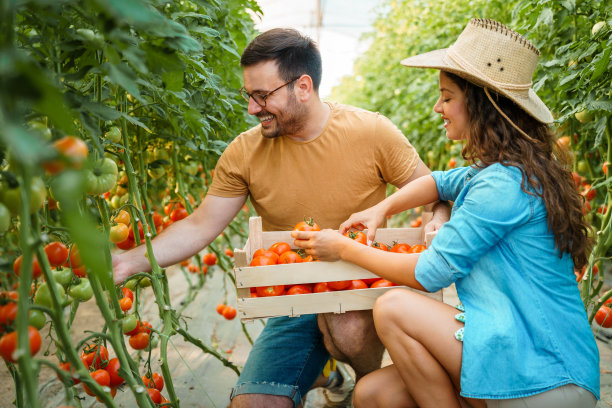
[489, 54]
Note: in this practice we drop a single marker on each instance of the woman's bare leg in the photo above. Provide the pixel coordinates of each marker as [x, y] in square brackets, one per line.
[383, 388]
[419, 334]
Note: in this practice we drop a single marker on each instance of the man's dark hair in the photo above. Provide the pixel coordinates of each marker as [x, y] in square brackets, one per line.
[295, 54]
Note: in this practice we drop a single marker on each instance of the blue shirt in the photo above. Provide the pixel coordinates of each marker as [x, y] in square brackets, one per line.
[526, 328]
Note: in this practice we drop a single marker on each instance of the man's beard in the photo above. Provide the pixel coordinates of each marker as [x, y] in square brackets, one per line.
[290, 121]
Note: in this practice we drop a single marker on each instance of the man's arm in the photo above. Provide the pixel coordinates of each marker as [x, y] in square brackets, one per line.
[182, 239]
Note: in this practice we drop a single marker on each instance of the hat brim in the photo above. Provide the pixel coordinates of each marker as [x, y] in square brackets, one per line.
[438, 59]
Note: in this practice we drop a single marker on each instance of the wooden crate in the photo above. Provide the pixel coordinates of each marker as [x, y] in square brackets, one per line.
[311, 272]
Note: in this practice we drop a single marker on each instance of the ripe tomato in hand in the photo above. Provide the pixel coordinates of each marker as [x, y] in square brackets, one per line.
[57, 253]
[280, 247]
[307, 225]
[358, 236]
[210, 259]
[265, 291]
[289, 257]
[400, 248]
[299, 290]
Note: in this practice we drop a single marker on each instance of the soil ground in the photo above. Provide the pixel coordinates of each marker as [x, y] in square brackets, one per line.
[200, 379]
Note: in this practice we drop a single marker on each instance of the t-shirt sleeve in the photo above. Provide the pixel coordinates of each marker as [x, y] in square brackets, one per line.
[230, 179]
[480, 223]
[450, 182]
[396, 157]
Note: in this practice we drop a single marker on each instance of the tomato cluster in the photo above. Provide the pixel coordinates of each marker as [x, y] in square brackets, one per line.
[227, 311]
[154, 384]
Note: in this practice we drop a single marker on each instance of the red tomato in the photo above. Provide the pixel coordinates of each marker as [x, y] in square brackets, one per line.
[75, 257]
[299, 290]
[229, 252]
[415, 249]
[193, 268]
[126, 292]
[119, 233]
[280, 247]
[168, 208]
[603, 317]
[358, 236]
[57, 253]
[113, 371]
[401, 248]
[92, 358]
[127, 244]
[139, 341]
[68, 367]
[158, 220]
[380, 246]
[307, 225]
[262, 261]
[266, 252]
[81, 271]
[145, 327]
[178, 214]
[125, 303]
[357, 284]
[131, 232]
[36, 272]
[265, 291]
[210, 259]
[321, 287]
[8, 314]
[8, 344]
[155, 395]
[416, 223]
[339, 285]
[220, 308]
[289, 257]
[370, 281]
[101, 377]
[72, 148]
[382, 283]
[154, 381]
[229, 313]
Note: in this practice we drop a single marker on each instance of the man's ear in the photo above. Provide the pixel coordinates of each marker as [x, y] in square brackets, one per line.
[304, 89]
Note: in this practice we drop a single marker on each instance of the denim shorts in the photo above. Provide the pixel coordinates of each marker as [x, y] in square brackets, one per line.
[285, 360]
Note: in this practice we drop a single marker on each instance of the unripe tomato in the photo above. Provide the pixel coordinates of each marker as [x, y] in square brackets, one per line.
[113, 135]
[102, 177]
[129, 324]
[43, 295]
[11, 197]
[5, 218]
[36, 319]
[119, 233]
[83, 291]
[63, 276]
[57, 253]
[122, 218]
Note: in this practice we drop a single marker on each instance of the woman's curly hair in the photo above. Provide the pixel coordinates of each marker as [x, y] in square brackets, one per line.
[545, 168]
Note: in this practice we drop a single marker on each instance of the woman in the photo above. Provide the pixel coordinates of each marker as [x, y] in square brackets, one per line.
[514, 238]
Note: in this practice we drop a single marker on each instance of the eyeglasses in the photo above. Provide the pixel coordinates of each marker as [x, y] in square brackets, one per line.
[260, 97]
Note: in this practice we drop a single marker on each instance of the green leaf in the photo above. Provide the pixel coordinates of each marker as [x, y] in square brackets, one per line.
[229, 49]
[570, 5]
[602, 64]
[123, 76]
[173, 80]
[545, 18]
[207, 31]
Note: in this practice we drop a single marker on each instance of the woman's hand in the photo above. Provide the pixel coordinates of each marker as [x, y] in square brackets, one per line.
[371, 219]
[325, 245]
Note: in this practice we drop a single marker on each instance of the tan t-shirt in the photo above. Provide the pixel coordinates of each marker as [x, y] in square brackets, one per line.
[344, 170]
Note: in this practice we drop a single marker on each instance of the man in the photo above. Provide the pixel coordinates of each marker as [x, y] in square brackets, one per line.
[306, 158]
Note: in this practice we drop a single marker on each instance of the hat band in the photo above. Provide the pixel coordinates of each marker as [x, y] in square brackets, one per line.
[469, 68]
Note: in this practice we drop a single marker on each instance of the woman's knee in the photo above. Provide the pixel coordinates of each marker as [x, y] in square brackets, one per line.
[390, 308]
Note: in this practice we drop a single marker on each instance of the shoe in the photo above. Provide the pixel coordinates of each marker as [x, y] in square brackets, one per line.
[340, 391]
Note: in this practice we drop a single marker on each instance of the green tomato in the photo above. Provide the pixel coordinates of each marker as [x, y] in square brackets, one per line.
[114, 135]
[153, 342]
[102, 178]
[131, 284]
[156, 172]
[115, 202]
[41, 129]
[43, 295]
[37, 319]
[145, 282]
[5, 218]
[83, 291]
[582, 166]
[63, 276]
[191, 168]
[11, 197]
[584, 116]
[129, 323]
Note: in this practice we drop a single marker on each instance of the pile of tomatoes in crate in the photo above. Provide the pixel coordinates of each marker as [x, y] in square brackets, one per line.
[281, 253]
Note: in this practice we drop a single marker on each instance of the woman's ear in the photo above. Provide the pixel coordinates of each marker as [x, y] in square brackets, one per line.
[303, 88]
